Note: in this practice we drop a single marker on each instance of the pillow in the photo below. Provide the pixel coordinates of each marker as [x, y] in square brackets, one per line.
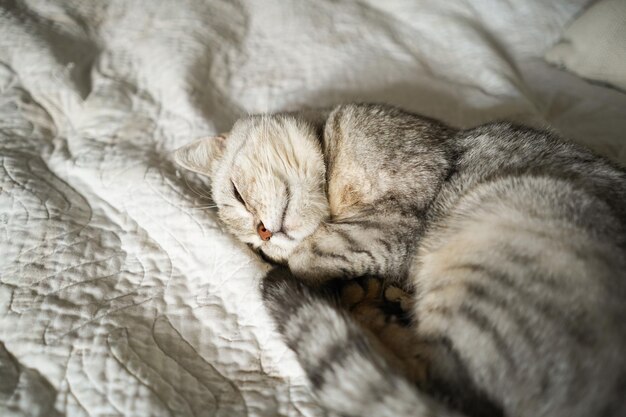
[594, 45]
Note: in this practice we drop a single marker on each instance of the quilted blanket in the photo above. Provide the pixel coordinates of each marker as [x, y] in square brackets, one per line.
[120, 295]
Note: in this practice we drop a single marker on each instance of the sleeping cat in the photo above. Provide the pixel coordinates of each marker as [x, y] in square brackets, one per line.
[512, 241]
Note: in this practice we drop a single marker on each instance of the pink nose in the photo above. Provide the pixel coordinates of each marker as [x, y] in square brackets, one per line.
[263, 232]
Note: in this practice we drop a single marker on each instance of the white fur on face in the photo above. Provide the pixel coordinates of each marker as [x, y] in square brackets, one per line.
[276, 164]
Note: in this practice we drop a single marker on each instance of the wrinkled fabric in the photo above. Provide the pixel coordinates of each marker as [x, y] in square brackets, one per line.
[120, 295]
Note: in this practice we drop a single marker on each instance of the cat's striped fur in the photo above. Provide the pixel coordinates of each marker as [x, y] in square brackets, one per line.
[514, 242]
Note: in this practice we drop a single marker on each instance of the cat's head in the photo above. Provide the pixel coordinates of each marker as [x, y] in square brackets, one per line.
[267, 180]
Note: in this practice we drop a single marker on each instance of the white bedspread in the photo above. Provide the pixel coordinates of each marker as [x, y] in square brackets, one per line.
[119, 293]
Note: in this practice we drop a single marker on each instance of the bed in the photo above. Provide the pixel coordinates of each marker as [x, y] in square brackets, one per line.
[120, 295]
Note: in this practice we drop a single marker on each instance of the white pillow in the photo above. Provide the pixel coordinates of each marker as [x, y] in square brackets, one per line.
[594, 45]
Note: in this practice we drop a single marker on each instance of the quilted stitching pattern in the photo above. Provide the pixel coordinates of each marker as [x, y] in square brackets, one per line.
[119, 293]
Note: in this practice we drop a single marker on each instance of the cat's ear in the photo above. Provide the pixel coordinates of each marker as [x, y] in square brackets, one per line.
[200, 155]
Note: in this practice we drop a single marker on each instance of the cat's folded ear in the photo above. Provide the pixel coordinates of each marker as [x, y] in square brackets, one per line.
[200, 155]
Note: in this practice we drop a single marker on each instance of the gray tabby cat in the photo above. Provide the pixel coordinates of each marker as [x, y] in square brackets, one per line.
[513, 241]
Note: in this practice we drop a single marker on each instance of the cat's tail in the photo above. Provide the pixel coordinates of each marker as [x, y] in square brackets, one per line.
[346, 372]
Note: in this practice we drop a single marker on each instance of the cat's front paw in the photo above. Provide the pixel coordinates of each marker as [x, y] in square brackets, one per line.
[314, 268]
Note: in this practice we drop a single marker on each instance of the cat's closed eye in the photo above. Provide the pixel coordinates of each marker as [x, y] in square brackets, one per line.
[237, 193]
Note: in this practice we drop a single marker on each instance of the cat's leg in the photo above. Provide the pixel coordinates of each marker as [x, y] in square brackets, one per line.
[350, 371]
[349, 250]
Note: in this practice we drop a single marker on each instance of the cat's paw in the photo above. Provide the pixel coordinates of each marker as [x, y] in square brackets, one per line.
[369, 299]
[386, 313]
[363, 300]
[314, 268]
[402, 298]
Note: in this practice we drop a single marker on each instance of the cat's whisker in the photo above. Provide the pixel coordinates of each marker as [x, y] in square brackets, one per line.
[207, 207]
[195, 191]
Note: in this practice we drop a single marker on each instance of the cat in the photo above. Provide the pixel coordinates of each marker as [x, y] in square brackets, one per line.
[511, 240]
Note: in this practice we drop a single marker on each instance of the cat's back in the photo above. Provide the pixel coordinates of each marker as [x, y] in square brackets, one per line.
[506, 149]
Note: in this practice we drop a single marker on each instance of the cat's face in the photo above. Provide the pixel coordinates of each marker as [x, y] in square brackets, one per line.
[267, 180]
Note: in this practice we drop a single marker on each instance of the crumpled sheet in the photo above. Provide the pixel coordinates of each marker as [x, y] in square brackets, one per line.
[119, 293]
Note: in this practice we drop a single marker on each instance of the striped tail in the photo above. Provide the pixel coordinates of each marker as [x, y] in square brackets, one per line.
[347, 374]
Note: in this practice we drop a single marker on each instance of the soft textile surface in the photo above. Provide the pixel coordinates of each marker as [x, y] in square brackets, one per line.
[119, 293]
[594, 46]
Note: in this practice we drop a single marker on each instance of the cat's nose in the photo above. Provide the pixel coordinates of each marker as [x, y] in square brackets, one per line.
[263, 232]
